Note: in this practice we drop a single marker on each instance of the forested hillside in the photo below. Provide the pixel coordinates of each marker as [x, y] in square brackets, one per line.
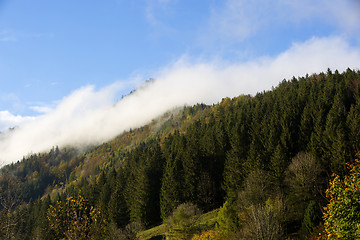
[264, 162]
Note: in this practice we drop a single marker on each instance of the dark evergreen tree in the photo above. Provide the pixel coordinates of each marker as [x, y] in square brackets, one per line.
[312, 218]
[278, 165]
[171, 194]
[353, 124]
[119, 213]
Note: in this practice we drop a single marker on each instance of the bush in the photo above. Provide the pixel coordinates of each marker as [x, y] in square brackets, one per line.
[127, 233]
[210, 235]
[264, 221]
[304, 177]
[181, 223]
[75, 218]
[227, 218]
[258, 188]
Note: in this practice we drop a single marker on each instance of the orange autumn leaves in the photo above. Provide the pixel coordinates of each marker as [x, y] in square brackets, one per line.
[342, 214]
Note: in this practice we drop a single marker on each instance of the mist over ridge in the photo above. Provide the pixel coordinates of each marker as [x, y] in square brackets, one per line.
[89, 116]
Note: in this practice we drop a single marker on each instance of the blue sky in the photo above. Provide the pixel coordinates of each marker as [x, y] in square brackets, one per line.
[50, 48]
[59, 58]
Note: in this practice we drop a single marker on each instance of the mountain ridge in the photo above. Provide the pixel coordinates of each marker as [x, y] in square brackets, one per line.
[209, 156]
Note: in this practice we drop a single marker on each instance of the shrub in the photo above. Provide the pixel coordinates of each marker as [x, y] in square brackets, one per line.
[210, 235]
[181, 223]
[264, 221]
[227, 218]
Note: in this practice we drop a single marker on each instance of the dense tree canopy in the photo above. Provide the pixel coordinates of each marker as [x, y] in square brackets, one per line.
[250, 152]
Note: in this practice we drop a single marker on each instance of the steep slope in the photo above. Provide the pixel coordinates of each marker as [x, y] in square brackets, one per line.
[246, 152]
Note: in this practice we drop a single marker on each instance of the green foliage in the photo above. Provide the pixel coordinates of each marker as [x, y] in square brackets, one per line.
[278, 163]
[305, 181]
[342, 214]
[143, 181]
[353, 124]
[312, 218]
[227, 218]
[304, 177]
[283, 142]
[181, 223]
[129, 232]
[233, 174]
[39, 172]
[119, 213]
[210, 235]
[258, 188]
[171, 194]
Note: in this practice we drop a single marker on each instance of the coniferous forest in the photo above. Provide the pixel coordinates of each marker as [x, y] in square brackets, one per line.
[277, 165]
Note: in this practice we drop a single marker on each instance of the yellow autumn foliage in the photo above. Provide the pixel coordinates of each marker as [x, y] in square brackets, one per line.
[210, 235]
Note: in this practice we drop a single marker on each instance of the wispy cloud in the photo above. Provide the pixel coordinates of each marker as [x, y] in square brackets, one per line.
[6, 36]
[41, 109]
[155, 13]
[13, 102]
[237, 20]
[89, 116]
[345, 14]
[13, 36]
[39, 35]
[154, 8]
[7, 39]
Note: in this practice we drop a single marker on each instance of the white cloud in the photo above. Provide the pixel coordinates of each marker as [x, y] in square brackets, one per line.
[41, 109]
[8, 120]
[344, 14]
[237, 20]
[89, 116]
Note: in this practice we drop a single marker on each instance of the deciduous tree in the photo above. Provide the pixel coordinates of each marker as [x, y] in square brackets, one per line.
[342, 214]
